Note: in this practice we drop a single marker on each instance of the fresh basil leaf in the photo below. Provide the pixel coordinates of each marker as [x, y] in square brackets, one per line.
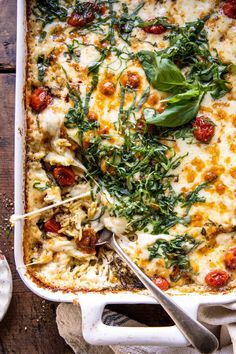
[175, 115]
[185, 96]
[162, 73]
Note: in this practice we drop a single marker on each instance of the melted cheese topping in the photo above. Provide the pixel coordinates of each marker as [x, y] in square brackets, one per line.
[54, 258]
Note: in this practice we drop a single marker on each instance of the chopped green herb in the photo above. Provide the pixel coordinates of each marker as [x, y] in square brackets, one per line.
[143, 98]
[193, 197]
[42, 64]
[127, 22]
[49, 10]
[175, 252]
[156, 21]
[40, 187]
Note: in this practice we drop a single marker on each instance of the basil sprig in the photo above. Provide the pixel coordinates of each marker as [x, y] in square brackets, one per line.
[189, 49]
[187, 93]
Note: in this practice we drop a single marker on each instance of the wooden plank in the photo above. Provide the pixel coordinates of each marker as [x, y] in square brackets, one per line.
[29, 326]
[7, 35]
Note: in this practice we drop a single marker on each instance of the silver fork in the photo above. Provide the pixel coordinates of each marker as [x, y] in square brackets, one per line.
[200, 337]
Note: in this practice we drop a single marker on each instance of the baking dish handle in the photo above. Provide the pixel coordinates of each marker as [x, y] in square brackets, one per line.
[97, 333]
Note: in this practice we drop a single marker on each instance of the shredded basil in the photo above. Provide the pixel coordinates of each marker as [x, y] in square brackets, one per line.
[49, 10]
[40, 187]
[193, 197]
[42, 64]
[174, 252]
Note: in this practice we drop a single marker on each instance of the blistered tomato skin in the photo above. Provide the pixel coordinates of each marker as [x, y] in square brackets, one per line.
[86, 15]
[52, 226]
[217, 278]
[155, 29]
[88, 241]
[229, 8]
[162, 283]
[132, 80]
[203, 130]
[230, 258]
[107, 88]
[76, 20]
[64, 175]
[40, 99]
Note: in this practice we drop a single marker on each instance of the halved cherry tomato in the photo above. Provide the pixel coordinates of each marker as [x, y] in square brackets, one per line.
[155, 29]
[52, 226]
[88, 241]
[162, 283]
[64, 175]
[229, 8]
[131, 79]
[107, 88]
[217, 278]
[77, 20]
[230, 258]
[86, 15]
[204, 129]
[40, 99]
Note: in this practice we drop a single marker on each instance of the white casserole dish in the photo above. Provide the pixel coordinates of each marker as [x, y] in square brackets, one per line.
[92, 304]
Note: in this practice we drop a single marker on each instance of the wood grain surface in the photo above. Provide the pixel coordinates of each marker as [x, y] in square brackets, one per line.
[29, 326]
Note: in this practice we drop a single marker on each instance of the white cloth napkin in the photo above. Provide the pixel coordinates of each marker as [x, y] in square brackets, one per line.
[220, 319]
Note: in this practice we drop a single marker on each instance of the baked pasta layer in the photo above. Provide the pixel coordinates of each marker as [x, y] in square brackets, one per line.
[131, 107]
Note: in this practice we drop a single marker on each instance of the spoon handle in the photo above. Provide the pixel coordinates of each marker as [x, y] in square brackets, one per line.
[200, 337]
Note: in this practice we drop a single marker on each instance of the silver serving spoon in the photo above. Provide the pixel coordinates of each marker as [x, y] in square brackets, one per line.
[201, 339]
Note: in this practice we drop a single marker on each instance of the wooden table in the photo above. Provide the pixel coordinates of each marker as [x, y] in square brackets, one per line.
[29, 326]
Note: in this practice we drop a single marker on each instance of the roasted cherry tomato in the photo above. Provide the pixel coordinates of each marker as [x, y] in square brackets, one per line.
[107, 88]
[229, 8]
[85, 15]
[77, 20]
[162, 283]
[217, 278]
[230, 258]
[64, 175]
[52, 226]
[204, 129]
[40, 99]
[131, 79]
[155, 29]
[88, 241]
